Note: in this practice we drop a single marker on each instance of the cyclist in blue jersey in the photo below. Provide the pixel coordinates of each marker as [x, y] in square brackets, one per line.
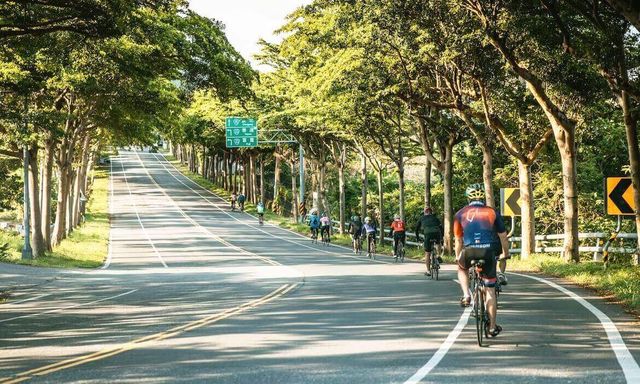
[314, 224]
[480, 235]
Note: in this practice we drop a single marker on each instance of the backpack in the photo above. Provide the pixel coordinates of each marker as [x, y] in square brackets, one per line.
[314, 221]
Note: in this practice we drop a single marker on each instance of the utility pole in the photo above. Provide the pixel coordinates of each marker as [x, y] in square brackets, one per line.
[27, 253]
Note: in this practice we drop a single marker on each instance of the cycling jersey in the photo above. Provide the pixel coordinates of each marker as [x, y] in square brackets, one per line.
[314, 221]
[369, 228]
[478, 226]
[429, 224]
[241, 198]
[397, 225]
[260, 208]
[325, 221]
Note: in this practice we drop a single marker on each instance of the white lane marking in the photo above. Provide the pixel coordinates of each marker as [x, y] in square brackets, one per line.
[107, 262]
[251, 226]
[442, 351]
[29, 299]
[206, 231]
[135, 207]
[625, 358]
[69, 307]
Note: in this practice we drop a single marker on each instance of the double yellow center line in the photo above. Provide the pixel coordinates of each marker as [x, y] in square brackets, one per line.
[144, 341]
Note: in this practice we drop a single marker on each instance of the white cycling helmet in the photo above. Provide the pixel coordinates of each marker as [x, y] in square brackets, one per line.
[367, 219]
[396, 216]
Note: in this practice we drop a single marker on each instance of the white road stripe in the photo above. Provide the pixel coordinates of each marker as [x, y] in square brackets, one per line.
[69, 307]
[135, 207]
[26, 300]
[625, 358]
[442, 351]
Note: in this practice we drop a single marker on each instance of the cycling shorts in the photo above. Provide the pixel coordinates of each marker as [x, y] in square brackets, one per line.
[429, 239]
[488, 273]
[356, 235]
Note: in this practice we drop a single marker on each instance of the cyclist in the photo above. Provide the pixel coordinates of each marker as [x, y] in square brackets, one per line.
[480, 235]
[369, 230]
[234, 198]
[314, 223]
[241, 199]
[260, 211]
[325, 226]
[431, 228]
[398, 234]
[355, 230]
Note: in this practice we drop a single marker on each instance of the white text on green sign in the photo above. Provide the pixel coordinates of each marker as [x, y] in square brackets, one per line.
[239, 122]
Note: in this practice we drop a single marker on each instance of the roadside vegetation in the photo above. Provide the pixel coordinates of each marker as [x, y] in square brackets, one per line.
[86, 246]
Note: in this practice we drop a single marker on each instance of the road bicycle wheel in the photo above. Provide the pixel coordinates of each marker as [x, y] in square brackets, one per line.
[401, 252]
[373, 248]
[480, 315]
[435, 267]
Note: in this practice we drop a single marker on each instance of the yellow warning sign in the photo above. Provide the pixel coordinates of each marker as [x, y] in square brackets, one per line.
[619, 193]
[510, 202]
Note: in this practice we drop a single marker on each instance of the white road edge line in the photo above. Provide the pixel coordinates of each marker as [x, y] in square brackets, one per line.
[251, 226]
[135, 207]
[442, 351]
[69, 307]
[625, 358]
[107, 262]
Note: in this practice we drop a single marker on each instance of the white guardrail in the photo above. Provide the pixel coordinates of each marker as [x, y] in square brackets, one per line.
[543, 246]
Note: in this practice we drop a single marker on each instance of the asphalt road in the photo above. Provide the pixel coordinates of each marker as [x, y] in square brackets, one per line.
[195, 293]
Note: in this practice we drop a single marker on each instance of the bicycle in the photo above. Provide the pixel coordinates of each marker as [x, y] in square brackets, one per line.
[233, 206]
[325, 237]
[260, 219]
[478, 298]
[371, 246]
[436, 254]
[356, 244]
[400, 251]
[314, 235]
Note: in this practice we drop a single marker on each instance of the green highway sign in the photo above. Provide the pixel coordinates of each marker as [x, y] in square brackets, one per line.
[240, 122]
[241, 132]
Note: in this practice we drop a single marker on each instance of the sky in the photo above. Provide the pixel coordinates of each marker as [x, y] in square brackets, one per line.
[246, 21]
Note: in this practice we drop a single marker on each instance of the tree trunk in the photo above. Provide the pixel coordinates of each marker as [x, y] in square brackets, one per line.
[487, 172]
[380, 203]
[401, 187]
[61, 205]
[427, 183]
[254, 180]
[37, 240]
[276, 184]
[47, 174]
[294, 191]
[528, 226]
[448, 200]
[262, 187]
[363, 185]
[567, 146]
[631, 131]
[341, 186]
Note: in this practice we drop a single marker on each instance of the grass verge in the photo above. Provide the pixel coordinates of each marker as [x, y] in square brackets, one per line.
[619, 283]
[86, 246]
